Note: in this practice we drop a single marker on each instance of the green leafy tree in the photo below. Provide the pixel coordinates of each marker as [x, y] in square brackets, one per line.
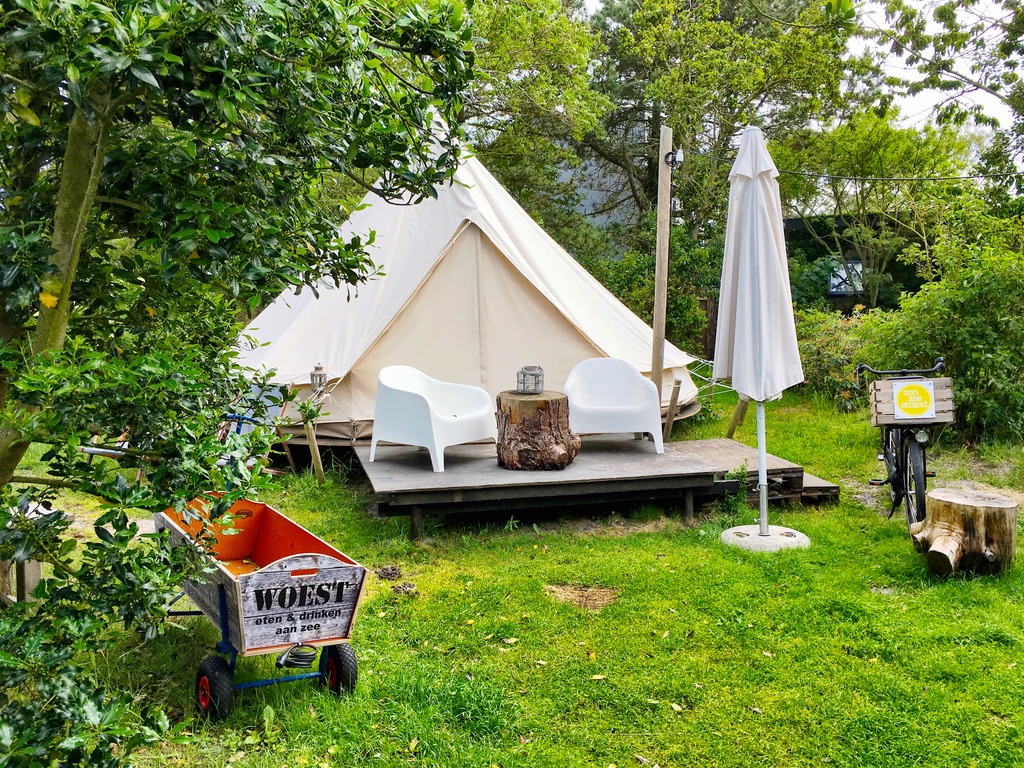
[867, 195]
[164, 166]
[198, 130]
[532, 103]
[706, 69]
[960, 49]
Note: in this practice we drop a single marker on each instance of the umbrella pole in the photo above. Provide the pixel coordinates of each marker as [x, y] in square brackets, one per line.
[762, 470]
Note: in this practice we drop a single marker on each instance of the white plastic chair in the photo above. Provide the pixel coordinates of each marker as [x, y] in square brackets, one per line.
[610, 395]
[415, 409]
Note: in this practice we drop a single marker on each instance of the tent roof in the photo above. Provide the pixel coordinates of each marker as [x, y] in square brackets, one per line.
[336, 329]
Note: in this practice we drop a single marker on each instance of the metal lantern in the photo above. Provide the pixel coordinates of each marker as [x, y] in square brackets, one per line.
[318, 380]
[530, 380]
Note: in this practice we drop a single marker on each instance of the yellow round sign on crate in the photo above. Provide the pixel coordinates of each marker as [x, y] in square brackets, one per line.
[913, 399]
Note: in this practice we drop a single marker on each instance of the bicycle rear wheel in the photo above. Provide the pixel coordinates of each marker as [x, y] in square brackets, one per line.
[891, 453]
[914, 482]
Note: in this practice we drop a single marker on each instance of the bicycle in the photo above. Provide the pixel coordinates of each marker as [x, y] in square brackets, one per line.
[904, 436]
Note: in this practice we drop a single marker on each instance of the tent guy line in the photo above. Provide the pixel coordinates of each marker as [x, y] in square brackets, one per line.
[672, 158]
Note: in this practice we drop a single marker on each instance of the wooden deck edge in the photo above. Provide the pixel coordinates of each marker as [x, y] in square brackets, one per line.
[702, 494]
[818, 491]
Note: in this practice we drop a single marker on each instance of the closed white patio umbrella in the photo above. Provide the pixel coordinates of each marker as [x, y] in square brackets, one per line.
[756, 343]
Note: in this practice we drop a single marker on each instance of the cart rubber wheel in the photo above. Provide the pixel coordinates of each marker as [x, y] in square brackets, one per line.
[340, 669]
[214, 688]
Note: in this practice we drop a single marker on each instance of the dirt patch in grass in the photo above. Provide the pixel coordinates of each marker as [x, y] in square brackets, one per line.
[590, 598]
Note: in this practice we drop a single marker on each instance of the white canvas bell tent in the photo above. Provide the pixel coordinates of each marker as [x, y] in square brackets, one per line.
[474, 290]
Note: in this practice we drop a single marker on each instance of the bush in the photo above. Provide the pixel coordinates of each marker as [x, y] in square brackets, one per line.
[631, 280]
[809, 281]
[830, 347]
[973, 316]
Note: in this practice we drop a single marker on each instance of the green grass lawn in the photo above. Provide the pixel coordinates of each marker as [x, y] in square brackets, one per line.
[848, 653]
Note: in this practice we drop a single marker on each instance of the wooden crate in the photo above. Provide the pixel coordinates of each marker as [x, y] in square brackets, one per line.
[282, 585]
[883, 403]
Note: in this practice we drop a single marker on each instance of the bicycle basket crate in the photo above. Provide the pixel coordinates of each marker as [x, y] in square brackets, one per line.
[908, 402]
[281, 585]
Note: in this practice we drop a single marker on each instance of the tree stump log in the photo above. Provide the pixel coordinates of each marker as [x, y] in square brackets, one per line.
[533, 431]
[966, 530]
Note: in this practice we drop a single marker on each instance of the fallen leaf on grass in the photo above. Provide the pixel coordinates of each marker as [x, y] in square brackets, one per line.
[769, 654]
[540, 663]
[676, 707]
[756, 711]
[412, 745]
[664, 635]
[470, 622]
[511, 640]
[592, 656]
[597, 677]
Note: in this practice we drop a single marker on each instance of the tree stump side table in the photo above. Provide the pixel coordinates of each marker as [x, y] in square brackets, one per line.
[967, 530]
[533, 431]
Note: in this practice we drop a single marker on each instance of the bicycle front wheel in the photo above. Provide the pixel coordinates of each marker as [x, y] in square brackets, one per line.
[914, 482]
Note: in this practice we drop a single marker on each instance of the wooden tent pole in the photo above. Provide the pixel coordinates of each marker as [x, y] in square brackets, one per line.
[661, 256]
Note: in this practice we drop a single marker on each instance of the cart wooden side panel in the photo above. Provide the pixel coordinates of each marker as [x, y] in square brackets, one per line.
[309, 599]
[205, 594]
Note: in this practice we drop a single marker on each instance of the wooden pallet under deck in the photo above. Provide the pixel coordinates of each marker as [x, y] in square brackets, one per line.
[608, 471]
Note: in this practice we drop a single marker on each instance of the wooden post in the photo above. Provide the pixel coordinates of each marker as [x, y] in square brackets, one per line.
[18, 581]
[738, 416]
[967, 530]
[314, 452]
[416, 524]
[661, 256]
[670, 417]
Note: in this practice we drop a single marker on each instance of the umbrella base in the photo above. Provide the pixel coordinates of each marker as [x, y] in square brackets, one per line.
[749, 537]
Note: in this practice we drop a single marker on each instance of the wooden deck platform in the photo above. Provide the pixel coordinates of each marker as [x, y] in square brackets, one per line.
[610, 470]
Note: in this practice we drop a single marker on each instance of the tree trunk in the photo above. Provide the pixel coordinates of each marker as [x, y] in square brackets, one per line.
[533, 431]
[967, 530]
[80, 173]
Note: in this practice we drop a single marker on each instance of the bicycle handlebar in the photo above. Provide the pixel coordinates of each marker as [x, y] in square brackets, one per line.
[940, 363]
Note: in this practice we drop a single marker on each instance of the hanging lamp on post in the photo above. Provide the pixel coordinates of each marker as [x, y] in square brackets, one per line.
[318, 383]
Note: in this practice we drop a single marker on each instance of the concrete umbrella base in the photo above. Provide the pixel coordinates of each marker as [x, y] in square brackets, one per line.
[749, 537]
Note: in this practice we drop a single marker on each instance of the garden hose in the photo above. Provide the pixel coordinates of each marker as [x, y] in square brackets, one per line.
[299, 656]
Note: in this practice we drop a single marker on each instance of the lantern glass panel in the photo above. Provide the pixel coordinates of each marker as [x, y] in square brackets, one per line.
[318, 380]
[530, 380]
